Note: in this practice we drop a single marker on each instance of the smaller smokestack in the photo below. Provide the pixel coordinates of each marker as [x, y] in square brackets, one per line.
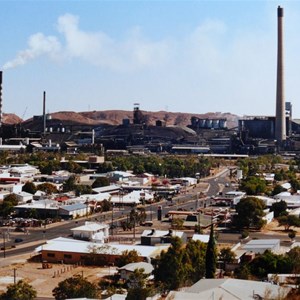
[44, 112]
[0, 98]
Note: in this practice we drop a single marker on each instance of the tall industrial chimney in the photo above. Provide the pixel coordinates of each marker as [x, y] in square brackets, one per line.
[0, 98]
[280, 125]
[44, 112]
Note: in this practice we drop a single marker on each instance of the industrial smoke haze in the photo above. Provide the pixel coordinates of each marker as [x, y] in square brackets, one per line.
[38, 45]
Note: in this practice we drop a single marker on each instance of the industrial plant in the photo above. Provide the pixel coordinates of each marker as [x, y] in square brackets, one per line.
[203, 135]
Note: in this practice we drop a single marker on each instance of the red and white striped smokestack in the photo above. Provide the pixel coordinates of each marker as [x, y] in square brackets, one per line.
[1, 115]
[280, 125]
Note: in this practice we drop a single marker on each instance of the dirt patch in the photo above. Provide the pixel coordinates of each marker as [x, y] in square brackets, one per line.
[45, 280]
[274, 227]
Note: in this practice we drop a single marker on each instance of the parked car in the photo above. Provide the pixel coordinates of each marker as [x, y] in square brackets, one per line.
[18, 240]
[20, 229]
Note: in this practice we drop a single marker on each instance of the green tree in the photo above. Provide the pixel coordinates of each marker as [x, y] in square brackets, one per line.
[171, 277]
[295, 184]
[75, 287]
[137, 286]
[128, 257]
[253, 185]
[242, 272]
[250, 213]
[106, 205]
[48, 188]
[226, 256]
[8, 204]
[19, 291]
[12, 198]
[29, 187]
[288, 221]
[268, 262]
[211, 255]
[194, 260]
[69, 184]
[81, 189]
[278, 208]
[73, 167]
[293, 256]
[277, 189]
[100, 182]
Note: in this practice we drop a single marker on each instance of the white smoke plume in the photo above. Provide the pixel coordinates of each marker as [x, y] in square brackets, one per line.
[96, 48]
[38, 45]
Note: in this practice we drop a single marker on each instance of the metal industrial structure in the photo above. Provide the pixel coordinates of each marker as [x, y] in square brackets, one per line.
[253, 135]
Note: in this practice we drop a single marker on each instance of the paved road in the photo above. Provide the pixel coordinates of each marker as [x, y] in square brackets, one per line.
[38, 236]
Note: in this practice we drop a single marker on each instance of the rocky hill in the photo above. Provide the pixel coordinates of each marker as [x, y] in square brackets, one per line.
[115, 117]
[11, 119]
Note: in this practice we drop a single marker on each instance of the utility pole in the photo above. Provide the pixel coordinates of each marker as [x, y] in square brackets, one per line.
[15, 275]
[112, 220]
[4, 246]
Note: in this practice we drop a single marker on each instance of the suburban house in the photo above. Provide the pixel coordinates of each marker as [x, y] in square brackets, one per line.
[92, 231]
[128, 269]
[24, 197]
[155, 237]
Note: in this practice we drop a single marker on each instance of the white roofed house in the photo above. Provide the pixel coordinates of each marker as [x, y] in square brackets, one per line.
[92, 231]
[133, 198]
[23, 170]
[153, 237]
[119, 175]
[128, 269]
[73, 211]
[72, 251]
[230, 289]
[261, 245]
[24, 197]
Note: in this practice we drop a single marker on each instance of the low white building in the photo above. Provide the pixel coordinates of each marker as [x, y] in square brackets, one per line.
[204, 238]
[74, 251]
[133, 198]
[92, 231]
[261, 245]
[24, 197]
[154, 237]
[73, 211]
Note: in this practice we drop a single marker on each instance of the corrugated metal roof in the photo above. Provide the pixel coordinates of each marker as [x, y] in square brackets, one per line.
[76, 246]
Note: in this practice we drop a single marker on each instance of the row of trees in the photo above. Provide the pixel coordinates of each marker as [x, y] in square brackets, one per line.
[171, 165]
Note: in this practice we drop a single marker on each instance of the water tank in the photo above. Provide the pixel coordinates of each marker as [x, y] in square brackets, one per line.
[215, 124]
[202, 123]
[126, 122]
[208, 123]
[223, 123]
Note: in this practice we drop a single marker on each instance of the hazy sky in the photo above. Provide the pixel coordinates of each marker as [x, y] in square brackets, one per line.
[180, 56]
